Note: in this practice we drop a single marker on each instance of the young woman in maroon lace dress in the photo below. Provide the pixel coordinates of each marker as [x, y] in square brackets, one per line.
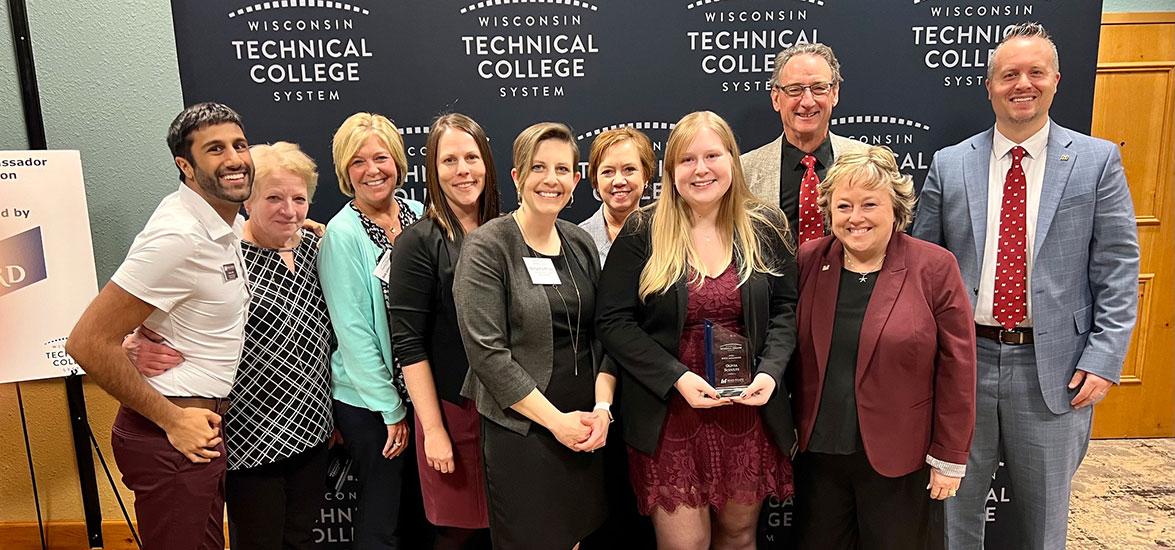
[701, 464]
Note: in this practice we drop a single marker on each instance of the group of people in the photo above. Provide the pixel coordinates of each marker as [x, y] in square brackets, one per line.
[898, 347]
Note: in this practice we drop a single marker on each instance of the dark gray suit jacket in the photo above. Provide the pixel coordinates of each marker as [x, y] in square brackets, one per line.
[505, 320]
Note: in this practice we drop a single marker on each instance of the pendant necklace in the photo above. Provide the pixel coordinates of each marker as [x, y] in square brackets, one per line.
[864, 276]
[566, 309]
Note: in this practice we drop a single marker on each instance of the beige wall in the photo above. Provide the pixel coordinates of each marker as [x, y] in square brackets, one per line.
[52, 448]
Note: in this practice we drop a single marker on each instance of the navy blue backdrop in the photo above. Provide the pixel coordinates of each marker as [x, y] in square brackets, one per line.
[913, 74]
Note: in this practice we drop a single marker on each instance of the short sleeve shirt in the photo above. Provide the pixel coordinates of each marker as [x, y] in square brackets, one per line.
[187, 263]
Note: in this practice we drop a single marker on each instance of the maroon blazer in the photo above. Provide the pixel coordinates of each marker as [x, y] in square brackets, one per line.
[915, 380]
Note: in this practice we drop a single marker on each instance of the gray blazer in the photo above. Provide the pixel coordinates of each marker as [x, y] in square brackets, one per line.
[761, 166]
[597, 228]
[505, 320]
[1085, 261]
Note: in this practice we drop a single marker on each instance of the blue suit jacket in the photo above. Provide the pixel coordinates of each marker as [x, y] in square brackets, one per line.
[1085, 270]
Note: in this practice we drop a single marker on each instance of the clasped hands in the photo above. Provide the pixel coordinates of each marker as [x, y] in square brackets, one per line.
[581, 431]
[701, 395]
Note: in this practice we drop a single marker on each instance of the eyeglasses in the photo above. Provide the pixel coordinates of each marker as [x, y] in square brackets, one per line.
[797, 90]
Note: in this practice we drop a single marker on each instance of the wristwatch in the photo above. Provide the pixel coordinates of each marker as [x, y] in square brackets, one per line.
[606, 407]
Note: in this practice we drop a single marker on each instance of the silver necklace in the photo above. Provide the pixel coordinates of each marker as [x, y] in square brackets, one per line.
[864, 275]
[566, 309]
[567, 312]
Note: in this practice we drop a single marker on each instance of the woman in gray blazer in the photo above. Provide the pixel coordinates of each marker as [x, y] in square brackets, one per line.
[525, 291]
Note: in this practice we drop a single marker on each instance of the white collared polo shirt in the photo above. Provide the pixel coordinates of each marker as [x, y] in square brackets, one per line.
[187, 263]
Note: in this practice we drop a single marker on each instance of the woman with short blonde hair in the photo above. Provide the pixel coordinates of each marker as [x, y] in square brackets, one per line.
[279, 156]
[370, 399]
[875, 168]
[354, 133]
[885, 370]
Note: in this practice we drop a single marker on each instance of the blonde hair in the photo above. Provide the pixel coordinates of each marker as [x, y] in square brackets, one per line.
[748, 221]
[349, 139]
[527, 143]
[616, 136]
[871, 168]
[283, 155]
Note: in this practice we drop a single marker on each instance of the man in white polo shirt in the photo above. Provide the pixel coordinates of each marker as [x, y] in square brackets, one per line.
[184, 279]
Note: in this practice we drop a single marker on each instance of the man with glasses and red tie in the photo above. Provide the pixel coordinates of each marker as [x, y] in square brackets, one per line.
[1041, 222]
[785, 172]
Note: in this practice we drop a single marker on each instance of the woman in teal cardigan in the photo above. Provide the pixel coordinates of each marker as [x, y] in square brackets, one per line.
[370, 401]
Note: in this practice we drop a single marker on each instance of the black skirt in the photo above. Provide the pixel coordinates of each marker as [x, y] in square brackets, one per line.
[542, 495]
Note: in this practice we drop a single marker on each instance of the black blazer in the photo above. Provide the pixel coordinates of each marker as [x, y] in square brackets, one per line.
[423, 317]
[642, 338]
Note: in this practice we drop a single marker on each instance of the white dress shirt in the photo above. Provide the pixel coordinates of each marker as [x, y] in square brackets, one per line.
[1001, 161]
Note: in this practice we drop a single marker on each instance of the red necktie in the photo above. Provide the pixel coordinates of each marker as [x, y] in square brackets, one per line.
[811, 221]
[1009, 304]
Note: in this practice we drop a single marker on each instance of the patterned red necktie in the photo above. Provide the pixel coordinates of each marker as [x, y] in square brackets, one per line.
[811, 221]
[1009, 304]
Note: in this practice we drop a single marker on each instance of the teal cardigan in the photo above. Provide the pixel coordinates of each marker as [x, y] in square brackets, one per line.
[361, 366]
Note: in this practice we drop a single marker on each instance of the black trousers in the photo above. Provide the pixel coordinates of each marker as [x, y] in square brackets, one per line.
[380, 479]
[841, 502]
[274, 506]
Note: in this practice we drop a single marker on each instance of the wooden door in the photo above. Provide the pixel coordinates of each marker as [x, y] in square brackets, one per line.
[1134, 106]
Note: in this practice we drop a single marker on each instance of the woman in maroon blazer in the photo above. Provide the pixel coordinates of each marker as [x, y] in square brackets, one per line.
[885, 388]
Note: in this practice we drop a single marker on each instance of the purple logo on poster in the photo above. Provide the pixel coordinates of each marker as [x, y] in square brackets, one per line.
[22, 261]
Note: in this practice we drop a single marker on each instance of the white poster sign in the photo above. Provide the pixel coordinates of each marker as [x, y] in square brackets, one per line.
[47, 273]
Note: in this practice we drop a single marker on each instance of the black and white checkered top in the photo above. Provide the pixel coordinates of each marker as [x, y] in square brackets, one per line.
[281, 401]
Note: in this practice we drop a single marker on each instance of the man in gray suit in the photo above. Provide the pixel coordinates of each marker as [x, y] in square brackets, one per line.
[1041, 222]
[804, 88]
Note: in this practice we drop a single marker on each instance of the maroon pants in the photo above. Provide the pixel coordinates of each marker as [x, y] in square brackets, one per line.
[180, 505]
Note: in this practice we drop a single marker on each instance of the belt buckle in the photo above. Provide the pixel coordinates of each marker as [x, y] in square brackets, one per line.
[1011, 337]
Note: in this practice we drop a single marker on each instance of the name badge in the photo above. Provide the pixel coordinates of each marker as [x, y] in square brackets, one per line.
[383, 268]
[229, 271]
[542, 271]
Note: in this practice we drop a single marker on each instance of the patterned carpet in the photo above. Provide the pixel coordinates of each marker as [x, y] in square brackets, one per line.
[1124, 496]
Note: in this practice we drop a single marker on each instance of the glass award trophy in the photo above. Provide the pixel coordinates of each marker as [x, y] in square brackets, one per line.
[728, 360]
